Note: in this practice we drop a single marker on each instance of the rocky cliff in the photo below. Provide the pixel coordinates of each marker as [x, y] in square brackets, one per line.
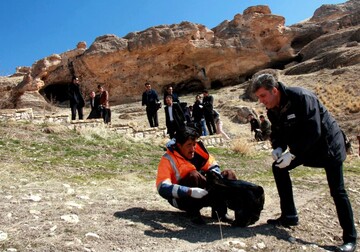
[192, 57]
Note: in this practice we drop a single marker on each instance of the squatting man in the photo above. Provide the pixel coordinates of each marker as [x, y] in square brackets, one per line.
[181, 180]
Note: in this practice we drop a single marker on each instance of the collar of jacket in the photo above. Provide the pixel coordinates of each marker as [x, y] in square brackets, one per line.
[285, 103]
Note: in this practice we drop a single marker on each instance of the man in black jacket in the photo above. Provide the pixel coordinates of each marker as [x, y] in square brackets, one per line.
[77, 101]
[301, 124]
[208, 103]
[150, 99]
[174, 116]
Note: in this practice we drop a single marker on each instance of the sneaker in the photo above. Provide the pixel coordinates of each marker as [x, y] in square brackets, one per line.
[284, 221]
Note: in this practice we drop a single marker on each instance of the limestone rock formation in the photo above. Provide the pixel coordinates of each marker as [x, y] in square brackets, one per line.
[192, 57]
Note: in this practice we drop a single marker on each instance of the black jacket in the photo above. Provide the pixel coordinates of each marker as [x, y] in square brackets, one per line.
[208, 103]
[75, 95]
[178, 116]
[254, 123]
[149, 99]
[304, 125]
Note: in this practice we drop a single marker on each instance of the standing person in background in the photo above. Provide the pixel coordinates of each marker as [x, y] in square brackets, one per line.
[265, 127]
[301, 124]
[77, 101]
[150, 99]
[104, 103]
[208, 103]
[219, 124]
[174, 116]
[95, 106]
[198, 115]
[254, 125]
[170, 91]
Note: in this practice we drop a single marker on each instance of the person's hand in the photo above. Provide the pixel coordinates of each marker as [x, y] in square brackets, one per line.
[215, 169]
[284, 160]
[197, 192]
[276, 154]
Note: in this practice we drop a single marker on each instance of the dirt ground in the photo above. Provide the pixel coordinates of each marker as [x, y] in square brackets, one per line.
[43, 213]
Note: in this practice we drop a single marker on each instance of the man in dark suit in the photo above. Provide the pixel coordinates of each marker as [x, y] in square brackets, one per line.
[150, 99]
[208, 103]
[77, 101]
[174, 116]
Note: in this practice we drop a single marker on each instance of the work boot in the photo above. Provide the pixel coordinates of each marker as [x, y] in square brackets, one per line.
[284, 221]
[346, 247]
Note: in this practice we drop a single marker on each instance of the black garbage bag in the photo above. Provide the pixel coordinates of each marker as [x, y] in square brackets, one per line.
[244, 198]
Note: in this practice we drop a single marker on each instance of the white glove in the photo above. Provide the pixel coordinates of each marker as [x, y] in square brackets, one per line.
[197, 192]
[284, 160]
[276, 153]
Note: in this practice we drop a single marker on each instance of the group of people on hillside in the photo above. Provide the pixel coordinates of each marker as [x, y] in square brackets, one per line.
[178, 114]
[299, 127]
[302, 133]
[99, 102]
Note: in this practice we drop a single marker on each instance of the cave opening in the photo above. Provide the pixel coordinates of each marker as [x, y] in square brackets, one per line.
[188, 87]
[56, 94]
[216, 84]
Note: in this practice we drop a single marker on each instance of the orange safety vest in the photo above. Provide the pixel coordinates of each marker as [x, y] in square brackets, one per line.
[173, 166]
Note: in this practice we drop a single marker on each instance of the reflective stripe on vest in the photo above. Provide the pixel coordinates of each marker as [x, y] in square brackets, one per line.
[173, 166]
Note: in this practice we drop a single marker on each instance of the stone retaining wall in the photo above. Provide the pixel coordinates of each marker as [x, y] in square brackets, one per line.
[159, 132]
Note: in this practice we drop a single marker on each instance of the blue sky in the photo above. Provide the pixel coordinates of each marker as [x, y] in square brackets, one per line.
[34, 29]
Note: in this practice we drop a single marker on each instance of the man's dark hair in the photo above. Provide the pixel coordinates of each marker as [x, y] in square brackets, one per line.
[185, 133]
[266, 81]
[169, 96]
[262, 116]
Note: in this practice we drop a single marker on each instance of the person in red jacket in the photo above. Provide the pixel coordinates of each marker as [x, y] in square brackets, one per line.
[180, 176]
[104, 103]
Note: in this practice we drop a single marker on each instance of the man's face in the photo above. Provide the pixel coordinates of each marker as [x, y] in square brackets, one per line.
[148, 87]
[187, 149]
[270, 98]
[170, 90]
[169, 101]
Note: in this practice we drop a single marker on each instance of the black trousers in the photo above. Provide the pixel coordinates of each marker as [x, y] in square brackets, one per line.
[210, 123]
[152, 116]
[106, 114]
[79, 109]
[335, 179]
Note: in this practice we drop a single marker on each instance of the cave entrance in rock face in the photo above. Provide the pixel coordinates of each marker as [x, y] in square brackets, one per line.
[188, 87]
[56, 93]
[216, 84]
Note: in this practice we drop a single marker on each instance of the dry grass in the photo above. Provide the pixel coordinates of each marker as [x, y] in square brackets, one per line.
[242, 146]
[339, 98]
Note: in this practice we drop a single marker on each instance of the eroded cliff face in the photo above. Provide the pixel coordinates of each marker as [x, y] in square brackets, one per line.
[192, 57]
